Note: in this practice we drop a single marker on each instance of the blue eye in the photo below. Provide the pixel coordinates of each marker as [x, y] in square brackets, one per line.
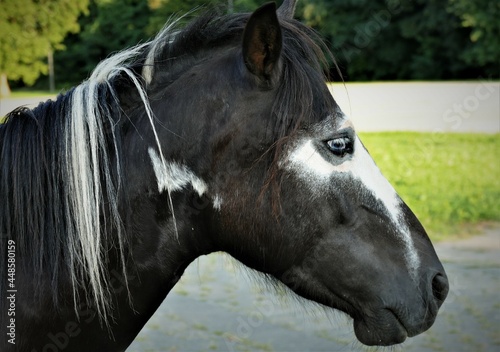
[340, 146]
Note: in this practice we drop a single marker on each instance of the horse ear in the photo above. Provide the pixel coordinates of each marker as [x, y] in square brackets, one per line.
[262, 42]
[287, 9]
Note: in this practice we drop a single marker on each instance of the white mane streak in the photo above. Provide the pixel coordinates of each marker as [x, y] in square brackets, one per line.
[85, 137]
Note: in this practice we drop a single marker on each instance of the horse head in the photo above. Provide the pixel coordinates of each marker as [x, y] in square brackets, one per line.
[290, 189]
[220, 136]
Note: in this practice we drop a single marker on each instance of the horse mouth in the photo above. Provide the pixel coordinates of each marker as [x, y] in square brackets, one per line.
[374, 324]
[384, 329]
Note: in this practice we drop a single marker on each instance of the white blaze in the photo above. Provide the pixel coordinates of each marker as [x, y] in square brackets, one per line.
[310, 165]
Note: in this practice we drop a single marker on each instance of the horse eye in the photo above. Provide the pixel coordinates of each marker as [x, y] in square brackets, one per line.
[340, 146]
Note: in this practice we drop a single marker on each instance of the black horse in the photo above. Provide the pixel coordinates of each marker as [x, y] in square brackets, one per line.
[221, 136]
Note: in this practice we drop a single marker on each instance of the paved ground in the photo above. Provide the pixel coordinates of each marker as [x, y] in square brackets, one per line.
[422, 106]
[220, 307]
[9, 104]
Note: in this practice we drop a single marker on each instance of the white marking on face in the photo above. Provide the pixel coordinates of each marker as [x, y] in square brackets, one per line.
[313, 168]
[173, 177]
[308, 161]
[217, 202]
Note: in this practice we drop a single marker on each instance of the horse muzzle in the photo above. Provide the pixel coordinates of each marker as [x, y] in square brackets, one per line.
[392, 324]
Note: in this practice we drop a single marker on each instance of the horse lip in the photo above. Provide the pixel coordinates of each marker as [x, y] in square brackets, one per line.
[387, 331]
[397, 333]
[400, 322]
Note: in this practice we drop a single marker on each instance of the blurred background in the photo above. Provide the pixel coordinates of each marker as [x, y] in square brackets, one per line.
[420, 80]
[56, 43]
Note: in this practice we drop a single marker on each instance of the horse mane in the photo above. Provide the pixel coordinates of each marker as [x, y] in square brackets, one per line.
[61, 177]
[61, 182]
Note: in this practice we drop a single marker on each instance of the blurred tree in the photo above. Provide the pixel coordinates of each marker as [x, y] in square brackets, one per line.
[166, 10]
[110, 26]
[408, 39]
[483, 18]
[31, 30]
[113, 25]
[163, 10]
[372, 40]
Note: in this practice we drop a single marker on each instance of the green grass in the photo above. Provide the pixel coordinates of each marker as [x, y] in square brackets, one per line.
[450, 181]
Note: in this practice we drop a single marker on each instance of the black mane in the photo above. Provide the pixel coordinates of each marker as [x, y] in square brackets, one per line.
[38, 210]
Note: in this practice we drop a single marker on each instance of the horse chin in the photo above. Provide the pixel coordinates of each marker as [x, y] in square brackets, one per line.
[385, 329]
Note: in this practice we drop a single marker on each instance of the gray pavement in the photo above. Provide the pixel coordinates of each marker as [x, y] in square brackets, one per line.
[9, 104]
[422, 106]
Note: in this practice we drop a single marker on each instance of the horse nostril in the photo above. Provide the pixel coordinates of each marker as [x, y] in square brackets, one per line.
[440, 287]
